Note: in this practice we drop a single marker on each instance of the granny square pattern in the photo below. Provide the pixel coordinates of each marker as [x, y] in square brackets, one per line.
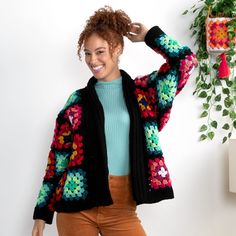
[217, 36]
[75, 186]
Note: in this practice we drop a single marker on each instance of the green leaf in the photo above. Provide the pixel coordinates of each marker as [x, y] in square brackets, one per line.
[214, 91]
[218, 98]
[234, 124]
[225, 112]
[204, 86]
[229, 83]
[204, 114]
[232, 115]
[209, 2]
[218, 108]
[185, 12]
[224, 139]
[231, 44]
[232, 64]
[203, 94]
[230, 29]
[211, 135]
[231, 52]
[194, 32]
[229, 134]
[225, 126]
[198, 78]
[218, 59]
[228, 102]
[214, 124]
[218, 82]
[229, 58]
[206, 106]
[215, 66]
[203, 128]
[208, 98]
[204, 68]
[226, 91]
[205, 55]
[203, 137]
[198, 85]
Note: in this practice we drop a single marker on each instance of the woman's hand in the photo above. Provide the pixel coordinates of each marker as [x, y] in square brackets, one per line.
[137, 32]
[38, 228]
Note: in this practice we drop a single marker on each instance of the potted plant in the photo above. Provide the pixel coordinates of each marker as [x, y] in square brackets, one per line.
[216, 79]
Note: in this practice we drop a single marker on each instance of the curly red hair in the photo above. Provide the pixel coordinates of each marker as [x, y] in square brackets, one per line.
[108, 24]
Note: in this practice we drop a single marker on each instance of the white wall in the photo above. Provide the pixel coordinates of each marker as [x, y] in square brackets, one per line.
[39, 69]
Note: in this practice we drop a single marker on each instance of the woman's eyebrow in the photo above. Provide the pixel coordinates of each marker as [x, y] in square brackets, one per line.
[99, 48]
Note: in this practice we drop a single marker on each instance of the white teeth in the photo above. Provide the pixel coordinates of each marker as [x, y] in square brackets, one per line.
[97, 68]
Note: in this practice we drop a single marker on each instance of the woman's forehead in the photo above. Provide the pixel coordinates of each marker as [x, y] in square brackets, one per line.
[94, 41]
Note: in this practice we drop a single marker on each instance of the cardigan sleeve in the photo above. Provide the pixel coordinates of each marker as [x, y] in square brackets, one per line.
[58, 159]
[157, 90]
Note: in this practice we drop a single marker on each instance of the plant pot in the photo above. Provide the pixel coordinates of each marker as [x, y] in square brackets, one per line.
[216, 34]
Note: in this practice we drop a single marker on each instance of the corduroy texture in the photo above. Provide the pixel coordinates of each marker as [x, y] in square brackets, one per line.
[118, 219]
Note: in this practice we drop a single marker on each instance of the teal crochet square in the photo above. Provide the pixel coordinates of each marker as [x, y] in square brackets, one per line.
[75, 187]
[152, 138]
[44, 194]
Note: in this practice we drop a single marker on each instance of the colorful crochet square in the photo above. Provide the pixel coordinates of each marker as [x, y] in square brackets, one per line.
[141, 81]
[153, 77]
[159, 175]
[152, 138]
[146, 101]
[145, 109]
[169, 46]
[77, 155]
[74, 113]
[164, 68]
[164, 119]
[62, 159]
[57, 163]
[50, 170]
[44, 194]
[217, 36]
[59, 188]
[73, 99]
[166, 89]
[75, 186]
[62, 135]
[186, 67]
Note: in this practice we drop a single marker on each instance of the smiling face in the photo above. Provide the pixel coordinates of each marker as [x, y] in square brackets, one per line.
[102, 62]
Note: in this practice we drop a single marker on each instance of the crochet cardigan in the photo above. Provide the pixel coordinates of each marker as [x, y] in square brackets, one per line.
[76, 176]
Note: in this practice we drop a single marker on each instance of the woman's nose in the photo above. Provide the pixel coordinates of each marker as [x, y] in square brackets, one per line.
[93, 58]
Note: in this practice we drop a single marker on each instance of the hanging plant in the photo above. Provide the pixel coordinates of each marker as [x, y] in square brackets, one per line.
[215, 39]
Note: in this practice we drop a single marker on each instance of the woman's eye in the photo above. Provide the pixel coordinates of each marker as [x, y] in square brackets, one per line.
[86, 53]
[100, 52]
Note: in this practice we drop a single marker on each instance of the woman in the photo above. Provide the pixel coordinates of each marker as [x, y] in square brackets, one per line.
[105, 157]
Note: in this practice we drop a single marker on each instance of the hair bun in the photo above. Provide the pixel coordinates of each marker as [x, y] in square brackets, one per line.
[106, 17]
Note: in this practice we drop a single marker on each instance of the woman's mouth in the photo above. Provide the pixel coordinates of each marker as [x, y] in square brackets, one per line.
[97, 69]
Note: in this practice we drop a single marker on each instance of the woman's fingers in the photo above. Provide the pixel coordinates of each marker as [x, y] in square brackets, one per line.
[135, 28]
[137, 32]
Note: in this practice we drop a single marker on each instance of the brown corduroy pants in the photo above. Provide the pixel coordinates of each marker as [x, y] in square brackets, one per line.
[118, 219]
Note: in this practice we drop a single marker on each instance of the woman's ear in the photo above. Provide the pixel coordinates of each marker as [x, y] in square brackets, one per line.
[118, 50]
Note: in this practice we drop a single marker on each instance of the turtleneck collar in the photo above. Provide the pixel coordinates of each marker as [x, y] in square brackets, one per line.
[104, 84]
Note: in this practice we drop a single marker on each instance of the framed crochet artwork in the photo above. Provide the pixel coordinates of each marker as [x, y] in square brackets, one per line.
[217, 35]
